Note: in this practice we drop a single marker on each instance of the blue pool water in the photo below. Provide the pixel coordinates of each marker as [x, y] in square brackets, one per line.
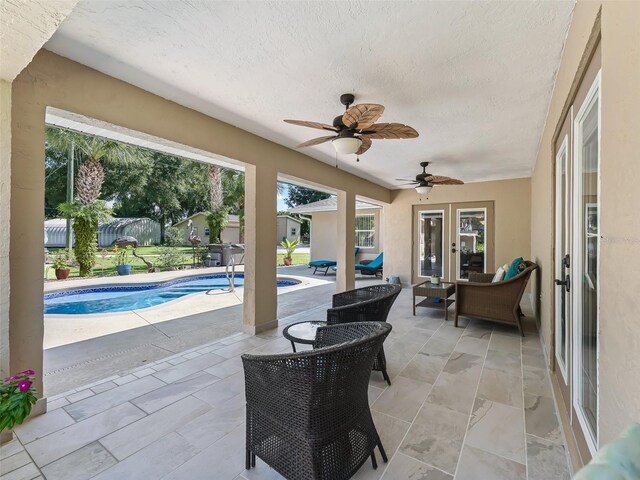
[132, 297]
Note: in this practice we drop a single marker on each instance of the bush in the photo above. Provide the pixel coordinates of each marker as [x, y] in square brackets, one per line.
[170, 258]
[216, 221]
[86, 219]
[173, 237]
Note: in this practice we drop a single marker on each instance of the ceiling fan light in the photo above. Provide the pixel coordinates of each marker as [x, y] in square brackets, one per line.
[423, 189]
[346, 144]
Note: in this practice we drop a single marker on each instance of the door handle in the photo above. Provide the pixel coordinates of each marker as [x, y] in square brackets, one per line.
[566, 283]
[453, 250]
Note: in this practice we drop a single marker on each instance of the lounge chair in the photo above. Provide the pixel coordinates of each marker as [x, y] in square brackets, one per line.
[326, 264]
[373, 267]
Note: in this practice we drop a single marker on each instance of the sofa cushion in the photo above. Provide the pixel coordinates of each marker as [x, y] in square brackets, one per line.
[515, 268]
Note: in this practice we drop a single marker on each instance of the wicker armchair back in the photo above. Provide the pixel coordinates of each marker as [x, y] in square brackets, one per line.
[497, 302]
[308, 413]
[367, 304]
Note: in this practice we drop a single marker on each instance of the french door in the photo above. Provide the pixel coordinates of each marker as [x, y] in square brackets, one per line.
[576, 256]
[452, 240]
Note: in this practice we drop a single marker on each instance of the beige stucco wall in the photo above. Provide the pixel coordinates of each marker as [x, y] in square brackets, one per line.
[324, 235]
[5, 196]
[619, 329]
[512, 204]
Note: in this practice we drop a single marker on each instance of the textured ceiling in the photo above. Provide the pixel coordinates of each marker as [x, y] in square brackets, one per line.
[25, 26]
[474, 78]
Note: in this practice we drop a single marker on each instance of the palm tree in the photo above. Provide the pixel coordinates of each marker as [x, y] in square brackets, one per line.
[88, 211]
[94, 151]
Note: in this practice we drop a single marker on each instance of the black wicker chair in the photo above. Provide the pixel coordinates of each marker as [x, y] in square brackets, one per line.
[367, 304]
[308, 413]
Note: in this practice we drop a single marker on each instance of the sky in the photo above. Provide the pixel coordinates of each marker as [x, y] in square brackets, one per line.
[281, 196]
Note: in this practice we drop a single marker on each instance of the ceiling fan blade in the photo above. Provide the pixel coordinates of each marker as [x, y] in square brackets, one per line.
[442, 180]
[315, 141]
[364, 115]
[406, 180]
[410, 183]
[366, 144]
[390, 130]
[318, 125]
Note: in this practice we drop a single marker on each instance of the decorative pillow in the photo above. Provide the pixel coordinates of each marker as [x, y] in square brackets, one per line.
[515, 268]
[499, 275]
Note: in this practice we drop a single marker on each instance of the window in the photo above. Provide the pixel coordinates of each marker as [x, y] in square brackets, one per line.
[294, 232]
[365, 231]
[206, 230]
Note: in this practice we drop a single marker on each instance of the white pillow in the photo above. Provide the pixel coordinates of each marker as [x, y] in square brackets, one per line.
[499, 275]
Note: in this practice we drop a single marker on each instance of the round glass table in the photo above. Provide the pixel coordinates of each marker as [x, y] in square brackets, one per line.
[302, 332]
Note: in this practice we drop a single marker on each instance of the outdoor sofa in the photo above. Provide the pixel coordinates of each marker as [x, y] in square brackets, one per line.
[482, 298]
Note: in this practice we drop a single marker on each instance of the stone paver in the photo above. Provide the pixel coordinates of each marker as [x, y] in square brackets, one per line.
[443, 417]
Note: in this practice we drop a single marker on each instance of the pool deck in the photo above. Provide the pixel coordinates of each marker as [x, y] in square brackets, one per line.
[81, 349]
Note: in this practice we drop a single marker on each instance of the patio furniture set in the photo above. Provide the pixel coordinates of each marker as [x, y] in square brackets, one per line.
[308, 414]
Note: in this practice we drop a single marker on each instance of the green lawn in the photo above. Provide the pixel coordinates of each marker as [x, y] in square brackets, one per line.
[106, 268]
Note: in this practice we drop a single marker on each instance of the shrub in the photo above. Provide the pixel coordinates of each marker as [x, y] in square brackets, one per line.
[86, 219]
[216, 221]
[170, 258]
[172, 237]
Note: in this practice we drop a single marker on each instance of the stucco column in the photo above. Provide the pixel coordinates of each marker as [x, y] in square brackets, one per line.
[5, 205]
[260, 292]
[345, 276]
[26, 255]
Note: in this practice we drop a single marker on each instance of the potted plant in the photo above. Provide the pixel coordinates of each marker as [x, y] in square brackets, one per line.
[290, 247]
[60, 264]
[17, 397]
[123, 267]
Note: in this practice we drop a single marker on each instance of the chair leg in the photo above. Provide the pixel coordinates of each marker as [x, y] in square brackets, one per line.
[248, 459]
[373, 460]
[519, 323]
[253, 459]
[386, 376]
[383, 454]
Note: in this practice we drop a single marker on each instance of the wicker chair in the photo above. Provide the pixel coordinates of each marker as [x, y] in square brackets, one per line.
[308, 413]
[497, 302]
[367, 304]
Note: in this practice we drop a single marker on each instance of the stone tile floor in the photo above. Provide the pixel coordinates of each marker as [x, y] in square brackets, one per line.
[465, 403]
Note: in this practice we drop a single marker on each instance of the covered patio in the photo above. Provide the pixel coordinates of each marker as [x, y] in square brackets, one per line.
[531, 108]
[474, 402]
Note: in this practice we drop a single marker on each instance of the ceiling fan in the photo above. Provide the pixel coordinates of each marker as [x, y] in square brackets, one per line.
[354, 130]
[424, 181]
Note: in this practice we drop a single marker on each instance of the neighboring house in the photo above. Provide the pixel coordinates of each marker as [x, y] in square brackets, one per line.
[145, 230]
[324, 228]
[288, 227]
[230, 234]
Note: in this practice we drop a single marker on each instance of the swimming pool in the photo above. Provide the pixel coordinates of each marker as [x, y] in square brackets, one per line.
[132, 297]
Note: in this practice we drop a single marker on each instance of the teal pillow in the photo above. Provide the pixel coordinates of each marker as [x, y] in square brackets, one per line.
[514, 268]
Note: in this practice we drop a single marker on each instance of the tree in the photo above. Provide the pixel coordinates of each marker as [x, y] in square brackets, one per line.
[159, 193]
[86, 219]
[218, 214]
[86, 210]
[302, 196]
[94, 151]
